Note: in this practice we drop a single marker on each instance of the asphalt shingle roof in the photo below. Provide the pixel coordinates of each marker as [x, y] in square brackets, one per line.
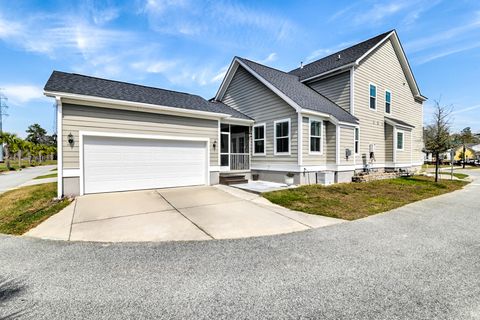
[400, 122]
[104, 88]
[301, 94]
[347, 56]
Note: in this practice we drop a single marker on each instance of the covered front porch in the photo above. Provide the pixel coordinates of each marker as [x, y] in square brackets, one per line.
[234, 148]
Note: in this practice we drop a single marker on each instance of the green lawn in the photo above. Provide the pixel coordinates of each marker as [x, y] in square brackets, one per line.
[51, 175]
[352, 201]
[455, 174]
[25, 164]
[25, 208]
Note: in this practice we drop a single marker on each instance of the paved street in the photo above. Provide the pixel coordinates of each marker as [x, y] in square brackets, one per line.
[15, 179]
[421, 261]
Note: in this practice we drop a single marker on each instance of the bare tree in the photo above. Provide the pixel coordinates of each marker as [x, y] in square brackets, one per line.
[437, 133]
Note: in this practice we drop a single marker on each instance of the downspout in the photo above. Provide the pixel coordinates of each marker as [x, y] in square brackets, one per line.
[59, 148]
[300, 139]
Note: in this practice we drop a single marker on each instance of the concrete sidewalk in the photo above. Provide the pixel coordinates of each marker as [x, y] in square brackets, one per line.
[190, 213]
[13, 180]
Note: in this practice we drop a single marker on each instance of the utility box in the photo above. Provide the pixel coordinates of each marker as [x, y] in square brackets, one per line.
[326, 178]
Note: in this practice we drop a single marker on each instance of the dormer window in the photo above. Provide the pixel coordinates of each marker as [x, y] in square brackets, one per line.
[373, 96]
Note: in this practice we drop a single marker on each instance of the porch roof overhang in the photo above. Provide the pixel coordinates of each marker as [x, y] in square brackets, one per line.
[398, 124]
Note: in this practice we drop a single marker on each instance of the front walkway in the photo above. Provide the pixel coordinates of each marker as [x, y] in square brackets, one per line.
[191, 213]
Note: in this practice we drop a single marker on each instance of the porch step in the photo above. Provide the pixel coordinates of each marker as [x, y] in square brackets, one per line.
[233, 179]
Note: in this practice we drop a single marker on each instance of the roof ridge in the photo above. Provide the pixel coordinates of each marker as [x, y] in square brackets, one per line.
[128, 83]
[335, 53]
[272, 68]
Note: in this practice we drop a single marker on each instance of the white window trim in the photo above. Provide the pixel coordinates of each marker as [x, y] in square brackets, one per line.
[355, 140]
[310, 120]
[396, 140]
[385, 109]
[376, 96]
[275, 137]
[264, 140]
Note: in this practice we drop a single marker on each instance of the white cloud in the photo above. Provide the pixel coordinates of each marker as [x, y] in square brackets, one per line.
[21, 94]
[220, 75]
[271, 57]
[466, 109]
[155, 66]
[447, 52]
[443, 37]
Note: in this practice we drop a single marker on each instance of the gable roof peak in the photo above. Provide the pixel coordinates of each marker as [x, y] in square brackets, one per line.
[340, 58]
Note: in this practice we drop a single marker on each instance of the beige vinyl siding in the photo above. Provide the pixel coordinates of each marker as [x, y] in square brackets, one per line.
[335, 88]
[85, 118]
[313, 159]
[248, 95]
[346, 142]
[383, 68]
[388, 143]
[403, 156]
[331, 145]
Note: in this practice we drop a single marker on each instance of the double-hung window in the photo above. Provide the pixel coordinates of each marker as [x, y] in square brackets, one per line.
[315, 136]
[259, 139]
[373, 97]
[400, 139]
[357, 140]
[388, 102]
[282, 136]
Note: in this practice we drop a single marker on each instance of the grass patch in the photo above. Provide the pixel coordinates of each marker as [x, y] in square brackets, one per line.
[455, 174]
[51, 175]
[25, 208]
[352, 201]
[25, 164]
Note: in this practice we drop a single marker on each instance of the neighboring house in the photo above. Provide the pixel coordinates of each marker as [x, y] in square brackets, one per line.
[357, 108]
[470, 153]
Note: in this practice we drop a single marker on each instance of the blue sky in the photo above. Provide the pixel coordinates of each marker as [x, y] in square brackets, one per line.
[187, 45]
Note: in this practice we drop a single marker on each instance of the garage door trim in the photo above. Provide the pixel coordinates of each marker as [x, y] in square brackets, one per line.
[82, 134]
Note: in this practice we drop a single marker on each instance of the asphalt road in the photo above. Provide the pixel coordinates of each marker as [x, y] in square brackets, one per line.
[14, 179]
[421, 261]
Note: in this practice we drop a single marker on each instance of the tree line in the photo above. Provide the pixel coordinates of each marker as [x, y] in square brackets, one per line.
[438, 137]
[36, 147]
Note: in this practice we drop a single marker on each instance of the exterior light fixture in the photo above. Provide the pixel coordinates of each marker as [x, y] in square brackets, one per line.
[214, 145]
[70, 139]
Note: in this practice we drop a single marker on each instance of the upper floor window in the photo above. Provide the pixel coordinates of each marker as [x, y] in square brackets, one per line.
[373, 97]
[282, 136]
[388, 101]
[315, 136]
[259, 139]
[357, 140]
[400, 141]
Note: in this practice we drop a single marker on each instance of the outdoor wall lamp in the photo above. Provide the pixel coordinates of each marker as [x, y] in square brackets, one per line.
[70, 139]
[214, 145]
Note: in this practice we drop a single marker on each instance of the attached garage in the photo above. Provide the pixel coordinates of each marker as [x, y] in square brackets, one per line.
[125, 163]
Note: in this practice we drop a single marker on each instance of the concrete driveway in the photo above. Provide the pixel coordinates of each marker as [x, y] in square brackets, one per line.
[191, 213]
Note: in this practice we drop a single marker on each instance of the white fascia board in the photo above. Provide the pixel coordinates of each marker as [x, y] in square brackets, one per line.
[237, 121]
[327, 116]
[226, 80]
[330, 71]
[131, 104]
[398, 126]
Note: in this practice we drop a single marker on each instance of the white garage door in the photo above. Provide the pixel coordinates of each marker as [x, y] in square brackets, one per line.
[120, 164]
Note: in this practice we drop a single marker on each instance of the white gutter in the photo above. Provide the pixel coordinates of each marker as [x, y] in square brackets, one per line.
[330, 71]
[136, 104]
[59, 149]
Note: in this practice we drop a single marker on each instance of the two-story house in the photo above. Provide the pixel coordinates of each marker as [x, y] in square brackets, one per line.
[355, 109]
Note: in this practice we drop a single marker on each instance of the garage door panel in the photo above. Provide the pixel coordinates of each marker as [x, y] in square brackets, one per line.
[119, 164]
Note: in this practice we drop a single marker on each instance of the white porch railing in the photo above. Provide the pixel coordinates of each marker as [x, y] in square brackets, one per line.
[239, 161]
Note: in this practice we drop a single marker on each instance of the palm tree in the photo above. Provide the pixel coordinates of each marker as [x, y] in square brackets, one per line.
[9, 140]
